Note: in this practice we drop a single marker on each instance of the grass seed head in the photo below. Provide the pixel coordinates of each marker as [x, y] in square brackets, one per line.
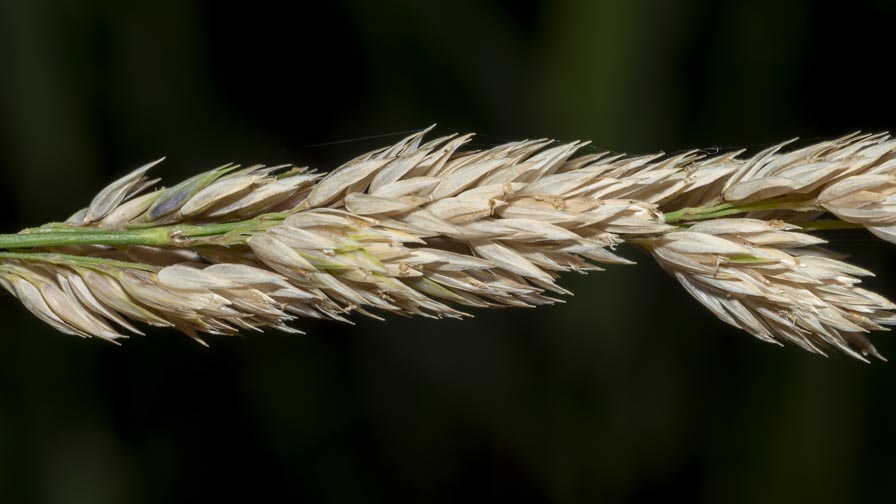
[420, 228]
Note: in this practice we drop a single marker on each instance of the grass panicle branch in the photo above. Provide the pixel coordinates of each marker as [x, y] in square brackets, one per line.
[433, 228]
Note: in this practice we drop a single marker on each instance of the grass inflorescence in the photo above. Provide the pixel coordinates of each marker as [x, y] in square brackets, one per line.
[433, 228]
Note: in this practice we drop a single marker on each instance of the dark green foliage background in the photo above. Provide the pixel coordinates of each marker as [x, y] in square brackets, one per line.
[629, 392]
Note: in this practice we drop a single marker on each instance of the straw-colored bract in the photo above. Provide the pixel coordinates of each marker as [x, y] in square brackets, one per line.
[434, 228]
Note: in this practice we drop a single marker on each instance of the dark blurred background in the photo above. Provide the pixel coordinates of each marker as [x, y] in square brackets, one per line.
[628, 392]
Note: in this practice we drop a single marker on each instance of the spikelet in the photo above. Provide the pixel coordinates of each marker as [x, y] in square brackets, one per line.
[224, 194]
[214, 299]
[764, 277]
[806, 171]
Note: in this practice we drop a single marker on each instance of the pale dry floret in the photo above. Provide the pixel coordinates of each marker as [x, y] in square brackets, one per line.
[869, 200]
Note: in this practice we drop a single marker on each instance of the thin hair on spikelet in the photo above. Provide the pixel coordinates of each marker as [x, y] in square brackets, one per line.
[434, 228]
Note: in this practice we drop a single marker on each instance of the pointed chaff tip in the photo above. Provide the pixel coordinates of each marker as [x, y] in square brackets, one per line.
[874, 353]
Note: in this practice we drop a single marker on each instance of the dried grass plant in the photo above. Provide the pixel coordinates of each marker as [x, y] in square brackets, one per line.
[434, 228]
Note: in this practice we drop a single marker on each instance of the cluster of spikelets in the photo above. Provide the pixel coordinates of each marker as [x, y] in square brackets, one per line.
[431, 228]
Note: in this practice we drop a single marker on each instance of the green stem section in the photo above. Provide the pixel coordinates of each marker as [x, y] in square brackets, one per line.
[726, 209]
[180, 235]
[150, 236]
